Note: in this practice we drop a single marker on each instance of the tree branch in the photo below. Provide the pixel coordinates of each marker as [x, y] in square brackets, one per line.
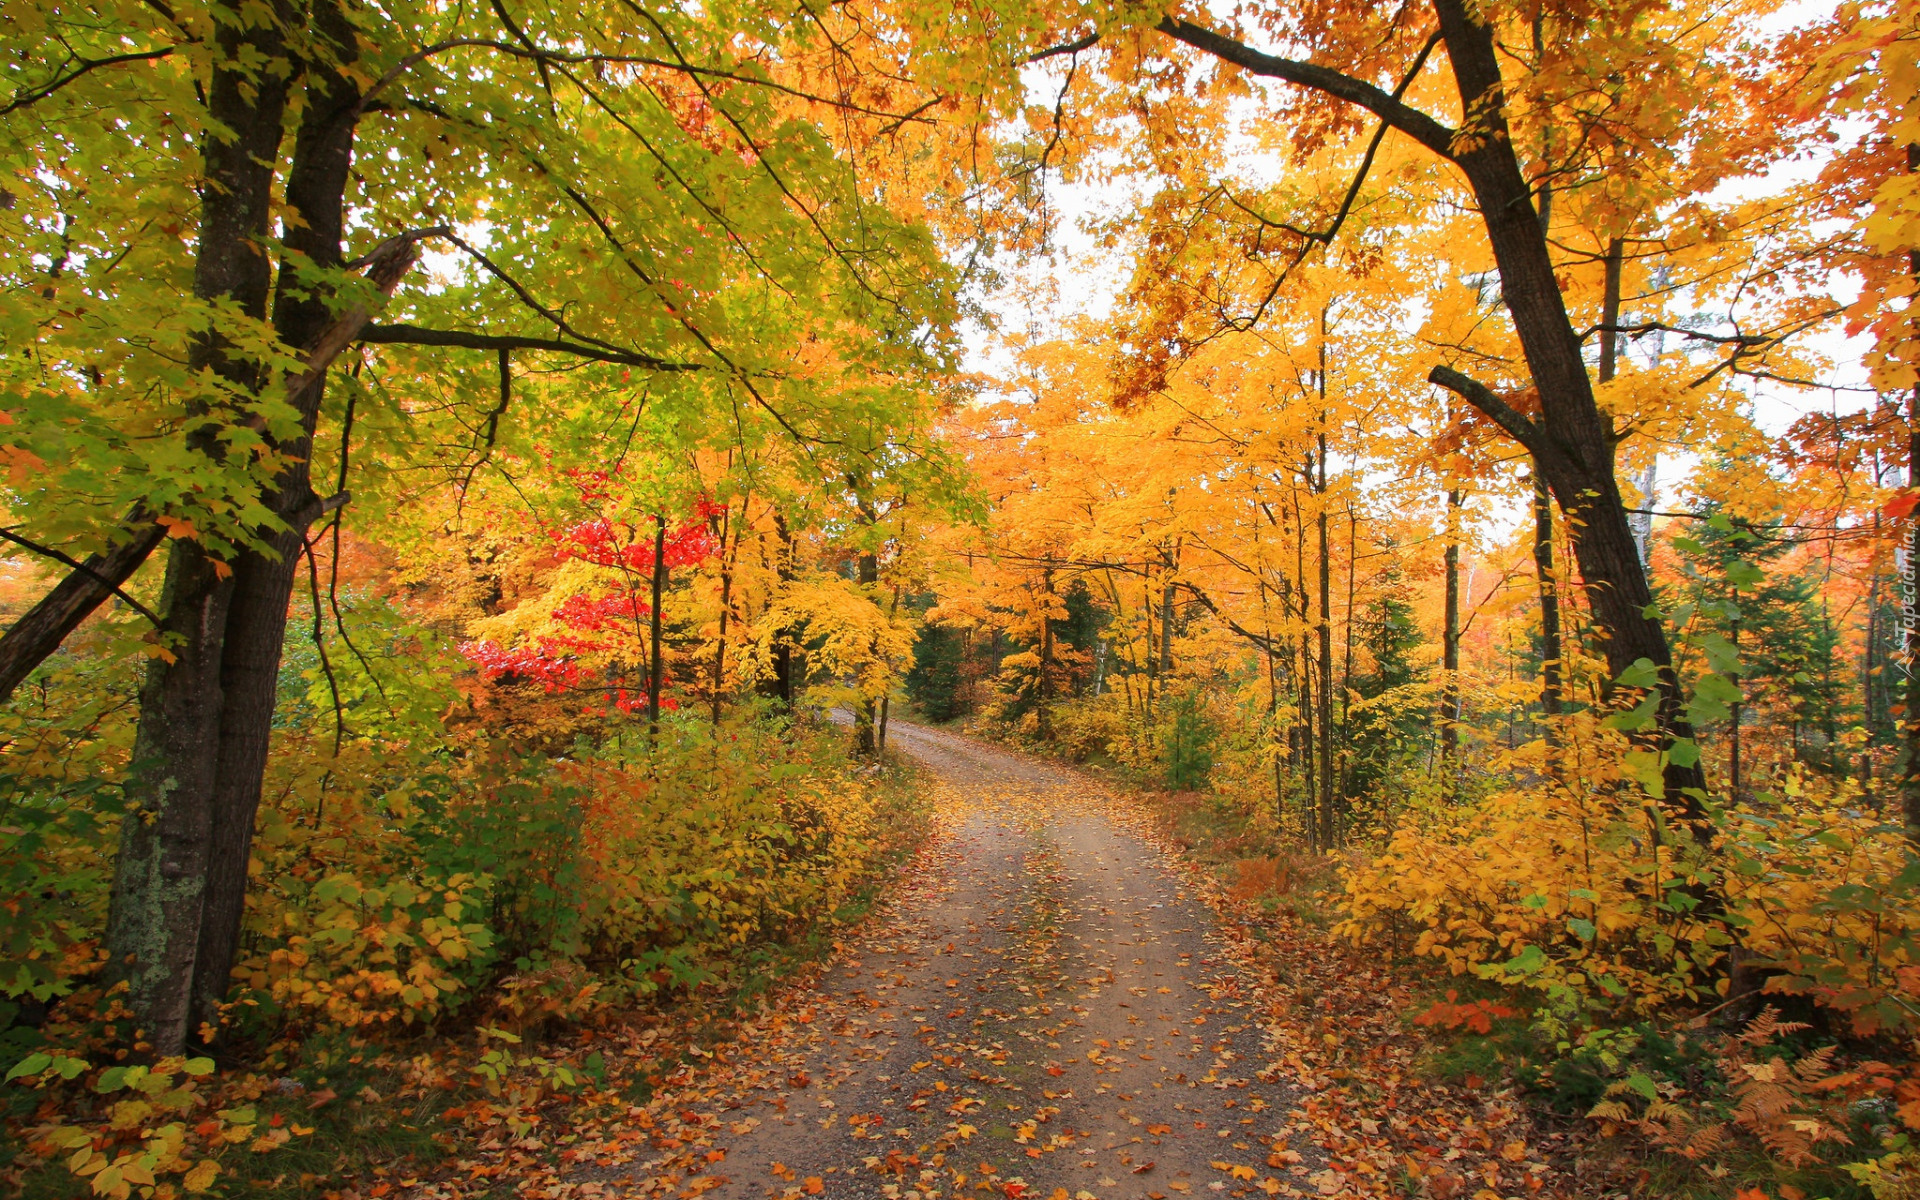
[1073, 47]
[43, 627]
[1496, 410]
[416, 335]
[1389, 108]
[29, 96]
[70, 561]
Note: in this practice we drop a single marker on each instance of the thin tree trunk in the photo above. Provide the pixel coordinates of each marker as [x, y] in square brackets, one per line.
[1166, 616]
[1550, 653]
[781, 686]
[1044, 685]
[1323, 708]
[866, 710]
[1910, 770]
[656, 665]
[1346, 662]
[886, 702]
[1450, 651]
[726, 603]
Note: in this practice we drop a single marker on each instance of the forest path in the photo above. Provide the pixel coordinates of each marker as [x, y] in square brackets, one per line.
[1042, 1008]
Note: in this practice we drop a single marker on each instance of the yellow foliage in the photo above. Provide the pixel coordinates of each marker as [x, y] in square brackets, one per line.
[1571, 879]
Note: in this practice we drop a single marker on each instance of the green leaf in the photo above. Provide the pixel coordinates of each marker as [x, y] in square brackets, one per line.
[1527, 962]
[1718, 687]
[1744, 574]
[32, 1064]
[1644, 1085]
[1683, 753]
[198, 1066]
[1646, 768]
[1581, 928]
[1639, 717]
[1702, 711]
[1722, 656]
[1642, 674]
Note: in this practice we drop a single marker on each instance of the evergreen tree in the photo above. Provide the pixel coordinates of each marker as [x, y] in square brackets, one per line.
[1737, 586]
[933, 682]
[1390, 636]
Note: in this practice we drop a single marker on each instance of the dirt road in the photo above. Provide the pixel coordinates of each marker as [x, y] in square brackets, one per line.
[1041, 1009]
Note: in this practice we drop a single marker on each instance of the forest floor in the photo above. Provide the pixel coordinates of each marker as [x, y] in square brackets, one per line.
[1052, 1006]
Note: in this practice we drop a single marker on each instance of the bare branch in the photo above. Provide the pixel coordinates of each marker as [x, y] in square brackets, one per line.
[415, 335]
[70, 561]
[30, 96]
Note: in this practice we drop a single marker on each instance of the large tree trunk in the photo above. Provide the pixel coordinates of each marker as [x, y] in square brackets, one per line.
[159, 883]
[160, 878]
[263, 582]
[1576, 450]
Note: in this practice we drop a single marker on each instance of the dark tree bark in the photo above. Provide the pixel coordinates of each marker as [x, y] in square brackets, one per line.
[1573, 443]
[263, 581]
[1910, 721]
[729, 556]
[866, 713]
[1323, 634]
[1550, 653]
[656, 664]
[160, 877]
[1450, 650]
[1044, 697]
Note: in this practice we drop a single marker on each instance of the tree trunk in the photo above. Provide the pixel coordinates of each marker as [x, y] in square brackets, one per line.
[886, 702]
[1323, 700]
[1166, 618]
[1550, 655]
[866, 710]
[1910, 720]
[1574, 439]
[263, 584]
[1450, 651]
[655, 660]
[781, 686]
[1736, 711]
[1044, 695]
[160, 876]
[153, 934]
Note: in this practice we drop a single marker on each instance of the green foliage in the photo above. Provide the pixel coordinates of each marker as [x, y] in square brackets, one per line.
[933, 682]
[1189, 743]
